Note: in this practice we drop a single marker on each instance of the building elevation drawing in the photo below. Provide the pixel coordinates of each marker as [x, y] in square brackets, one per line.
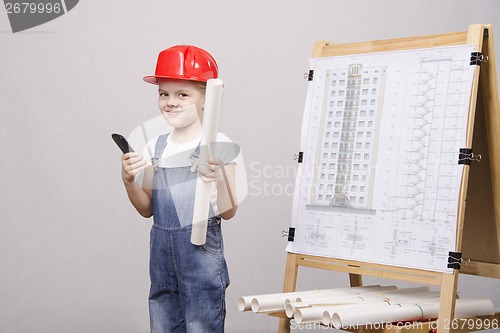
[381, 135]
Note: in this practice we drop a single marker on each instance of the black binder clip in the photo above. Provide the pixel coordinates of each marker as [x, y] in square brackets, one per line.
[290, 234]
[477, 57]
[310, 75]
[299, 157]
[466, 156]
[456, 261]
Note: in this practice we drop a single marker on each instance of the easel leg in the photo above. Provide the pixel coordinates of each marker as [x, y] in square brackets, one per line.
[284, 326]
[289, 285]
[355, 280]
[447, 302]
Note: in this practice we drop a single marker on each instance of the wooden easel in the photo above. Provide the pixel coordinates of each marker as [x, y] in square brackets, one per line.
[478, 224]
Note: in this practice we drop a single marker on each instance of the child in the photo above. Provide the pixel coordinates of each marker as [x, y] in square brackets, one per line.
[188, 282]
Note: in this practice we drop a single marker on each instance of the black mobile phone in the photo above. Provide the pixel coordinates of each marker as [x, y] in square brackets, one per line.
[122, 143]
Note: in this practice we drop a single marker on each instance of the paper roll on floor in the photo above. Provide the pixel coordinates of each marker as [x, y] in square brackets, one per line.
[277, 302]
[213, 98]
[244, 302]
[317, 313]
[409, 312]
[384, 314]
[323, 301]
[463, 308]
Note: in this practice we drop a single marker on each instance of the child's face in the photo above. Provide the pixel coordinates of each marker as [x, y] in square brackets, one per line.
[181, 102]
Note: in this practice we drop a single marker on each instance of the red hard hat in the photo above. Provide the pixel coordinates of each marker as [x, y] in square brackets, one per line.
[185, 62]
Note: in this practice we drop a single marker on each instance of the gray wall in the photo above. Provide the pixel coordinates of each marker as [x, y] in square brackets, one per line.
[74, 253]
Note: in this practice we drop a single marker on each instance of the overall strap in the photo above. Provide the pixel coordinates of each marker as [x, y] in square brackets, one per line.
[161, 143]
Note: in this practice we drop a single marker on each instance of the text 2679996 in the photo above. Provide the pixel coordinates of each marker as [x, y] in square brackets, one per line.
[32, 8]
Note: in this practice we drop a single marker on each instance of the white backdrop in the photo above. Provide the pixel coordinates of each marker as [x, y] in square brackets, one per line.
[74, 253]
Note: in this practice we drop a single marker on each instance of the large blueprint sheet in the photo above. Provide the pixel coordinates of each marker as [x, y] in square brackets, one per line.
[380, 177]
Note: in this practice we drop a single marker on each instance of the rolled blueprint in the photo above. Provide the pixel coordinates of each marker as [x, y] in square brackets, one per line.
[418, 298]
[382, 314]
[328, 302]
[245, 302]
[316, 313]
[291, 307]
[366, 291]
[463, 308]
[328, 313]
[276, 302]
[213, 98]
[407, 291]
[375, 293]
[409, 312]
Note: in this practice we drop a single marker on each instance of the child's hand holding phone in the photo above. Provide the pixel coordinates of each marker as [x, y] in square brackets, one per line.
[132, 162]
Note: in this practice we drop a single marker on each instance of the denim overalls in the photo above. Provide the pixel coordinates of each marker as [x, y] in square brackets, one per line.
[188, 282]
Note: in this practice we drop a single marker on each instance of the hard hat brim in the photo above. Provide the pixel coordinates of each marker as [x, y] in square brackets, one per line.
[153, 79]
